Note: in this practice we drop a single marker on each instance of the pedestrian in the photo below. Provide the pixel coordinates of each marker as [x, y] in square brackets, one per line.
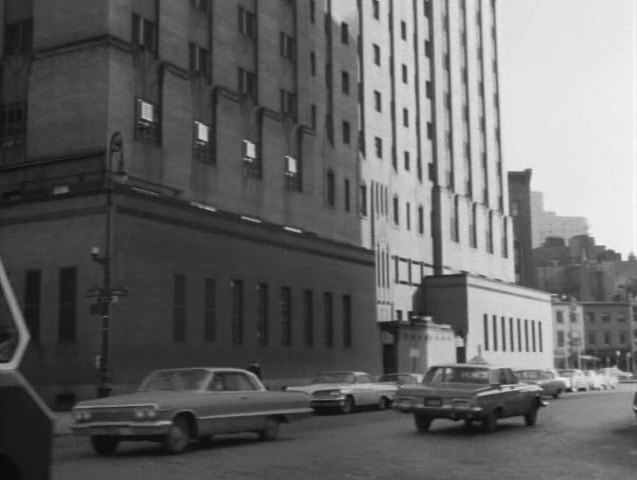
[255, 367]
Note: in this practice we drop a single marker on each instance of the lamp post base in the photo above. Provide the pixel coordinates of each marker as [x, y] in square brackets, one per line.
[104, 391]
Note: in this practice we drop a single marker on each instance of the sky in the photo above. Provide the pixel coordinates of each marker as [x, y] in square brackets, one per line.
[568, 108]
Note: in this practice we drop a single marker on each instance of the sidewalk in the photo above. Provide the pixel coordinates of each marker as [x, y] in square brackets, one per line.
[62, 423]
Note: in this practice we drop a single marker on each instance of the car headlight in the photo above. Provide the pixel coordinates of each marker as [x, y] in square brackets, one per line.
[142, 413]
[81, 415]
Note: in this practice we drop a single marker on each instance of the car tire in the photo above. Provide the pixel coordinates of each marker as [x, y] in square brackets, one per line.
[530, 417]
[423, 422]
[490, 422]
[104, 444]
[270, 430]
[178, 437]
[348, 405]
[383, 403]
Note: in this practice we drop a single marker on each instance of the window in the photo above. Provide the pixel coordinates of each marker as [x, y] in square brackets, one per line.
[591, 338]
[405, 117]
[344, 33]
[347, 192]
[511, 337]
[67, 298]
[403, 30]
[292, 174]
[490, 233]
[331, 189]
[408, 222]
[427, 48]
[286, 316]
[247, 83]
[312, 11]
[376, 54]
[262, 314]
[18, 37]
[210, 310]
[345, 82]
[526, 335]
[236, 291]
[455, 220]
[147, 124]
[495, 333]
[199, 61]
[519, 336]
[13, 124]
[485, 327]
[606, 337]
[426, 6]
[473, 227]
[428, 89]
[288, 103]
[396, 211]
[32, 302]
[505, 238]
[202, 142]
[560, 338]
[559, 316]
[378, 147]
[201, 5]
[308, 318]
[313, 63]
[605, 318]
[179, 308]
[313, 116]
[421, 220]
[376, 7]
[144, 34]
[378, 105]
[347, 321]
[622, 338]
[251, 161]
[328, 315]
[346, 133]
[363, 199]
[407, 160]
[404, 73]
[247, 23]
[287, 47]
[430, 131]
[533, 335]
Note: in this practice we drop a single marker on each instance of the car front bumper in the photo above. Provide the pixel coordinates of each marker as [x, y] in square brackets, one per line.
[123, 429]
[452, 412]
[336, 402]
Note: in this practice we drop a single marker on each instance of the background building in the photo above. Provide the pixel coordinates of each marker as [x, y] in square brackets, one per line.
[548, 224]
[520, 208]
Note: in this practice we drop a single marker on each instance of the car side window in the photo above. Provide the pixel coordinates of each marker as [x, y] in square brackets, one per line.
[231, 382]
[363, 379]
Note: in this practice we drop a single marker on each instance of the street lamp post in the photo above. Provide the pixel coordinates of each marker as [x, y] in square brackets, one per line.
[106, 293]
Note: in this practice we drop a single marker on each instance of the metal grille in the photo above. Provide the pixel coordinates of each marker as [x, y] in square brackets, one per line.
[112, 414]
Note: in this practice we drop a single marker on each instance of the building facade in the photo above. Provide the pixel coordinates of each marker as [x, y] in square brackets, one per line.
[549, 224]
[254, 178]
[520, 209]
[568, 332]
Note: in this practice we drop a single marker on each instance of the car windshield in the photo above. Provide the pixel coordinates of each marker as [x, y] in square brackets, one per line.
[178, 380]
[529, 375]
[334, 377]
[567, 373]
[457, 375]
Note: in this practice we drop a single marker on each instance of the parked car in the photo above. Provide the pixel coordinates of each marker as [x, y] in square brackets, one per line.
[565, 381]
[401, 378]
[609, 377]
[470, 392]
[576, 379]
[595, 380]
[347, 390]
[551, 385]
[635, 404]
[176, 406]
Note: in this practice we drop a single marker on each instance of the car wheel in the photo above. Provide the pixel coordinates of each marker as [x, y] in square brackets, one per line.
[270, 429]
[423, 422]
[530, 417]
[348, 405]
[104, 444]
[383, 403]
[490, 422]
[177, 439]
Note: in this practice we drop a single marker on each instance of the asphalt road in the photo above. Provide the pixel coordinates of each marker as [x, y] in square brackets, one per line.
[580, 436]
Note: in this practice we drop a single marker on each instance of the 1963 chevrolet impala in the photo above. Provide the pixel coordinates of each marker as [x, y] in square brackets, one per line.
[176, 406]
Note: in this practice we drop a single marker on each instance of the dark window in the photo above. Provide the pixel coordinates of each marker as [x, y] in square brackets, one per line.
[376, 6]
[376, 54]
[344, 33]
[210, 310]
[378, 147]
[286, 316]
[179, 308]
[144, 34]
[288, 103]
[312, 11]
[495, 333]
[427, 48]
[404, 73]
[18, 37]
[199, 61]
[329, 319]
[293, 179]
[32, 299]
[511, 335]
[312, 63]
[13, 124]
[485, 326]
[247, 84]
[262, 313]
[313, 116]
[287, 47]
[363, 199]
[504, 335]
[308, 318]
[526, 335]
[236, 287]
[408, 224]
[519, 335]
[247, 23]
[147, 122]
[331, 189]
[67, 304]
[405, 117]
[203, 146]
[407, 161]
[346, 133]
[396, 210]
[403, 30]
[347, 321]
[345, 82]
[201, 5]
[421, 220]
[378, 104]
[347, 193]
[533, 334]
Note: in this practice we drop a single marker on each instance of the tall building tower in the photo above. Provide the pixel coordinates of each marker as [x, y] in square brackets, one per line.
[212, 181]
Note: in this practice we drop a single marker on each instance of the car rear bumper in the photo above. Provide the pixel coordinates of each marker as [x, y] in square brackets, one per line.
[451, 411]
[123, 429]
[328, 403]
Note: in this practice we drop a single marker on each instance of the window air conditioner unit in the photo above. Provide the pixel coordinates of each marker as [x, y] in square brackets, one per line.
[249, 151]
[146, 112]
[290, 165]
[202, 133]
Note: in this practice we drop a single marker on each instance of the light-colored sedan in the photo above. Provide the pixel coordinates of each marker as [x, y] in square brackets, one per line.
[347, 390]
[401, 378]
[176, 406]
[551, 385]
[595, 380]
[576, 378]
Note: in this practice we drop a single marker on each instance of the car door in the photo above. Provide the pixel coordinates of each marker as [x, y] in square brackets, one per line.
[513, 397]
